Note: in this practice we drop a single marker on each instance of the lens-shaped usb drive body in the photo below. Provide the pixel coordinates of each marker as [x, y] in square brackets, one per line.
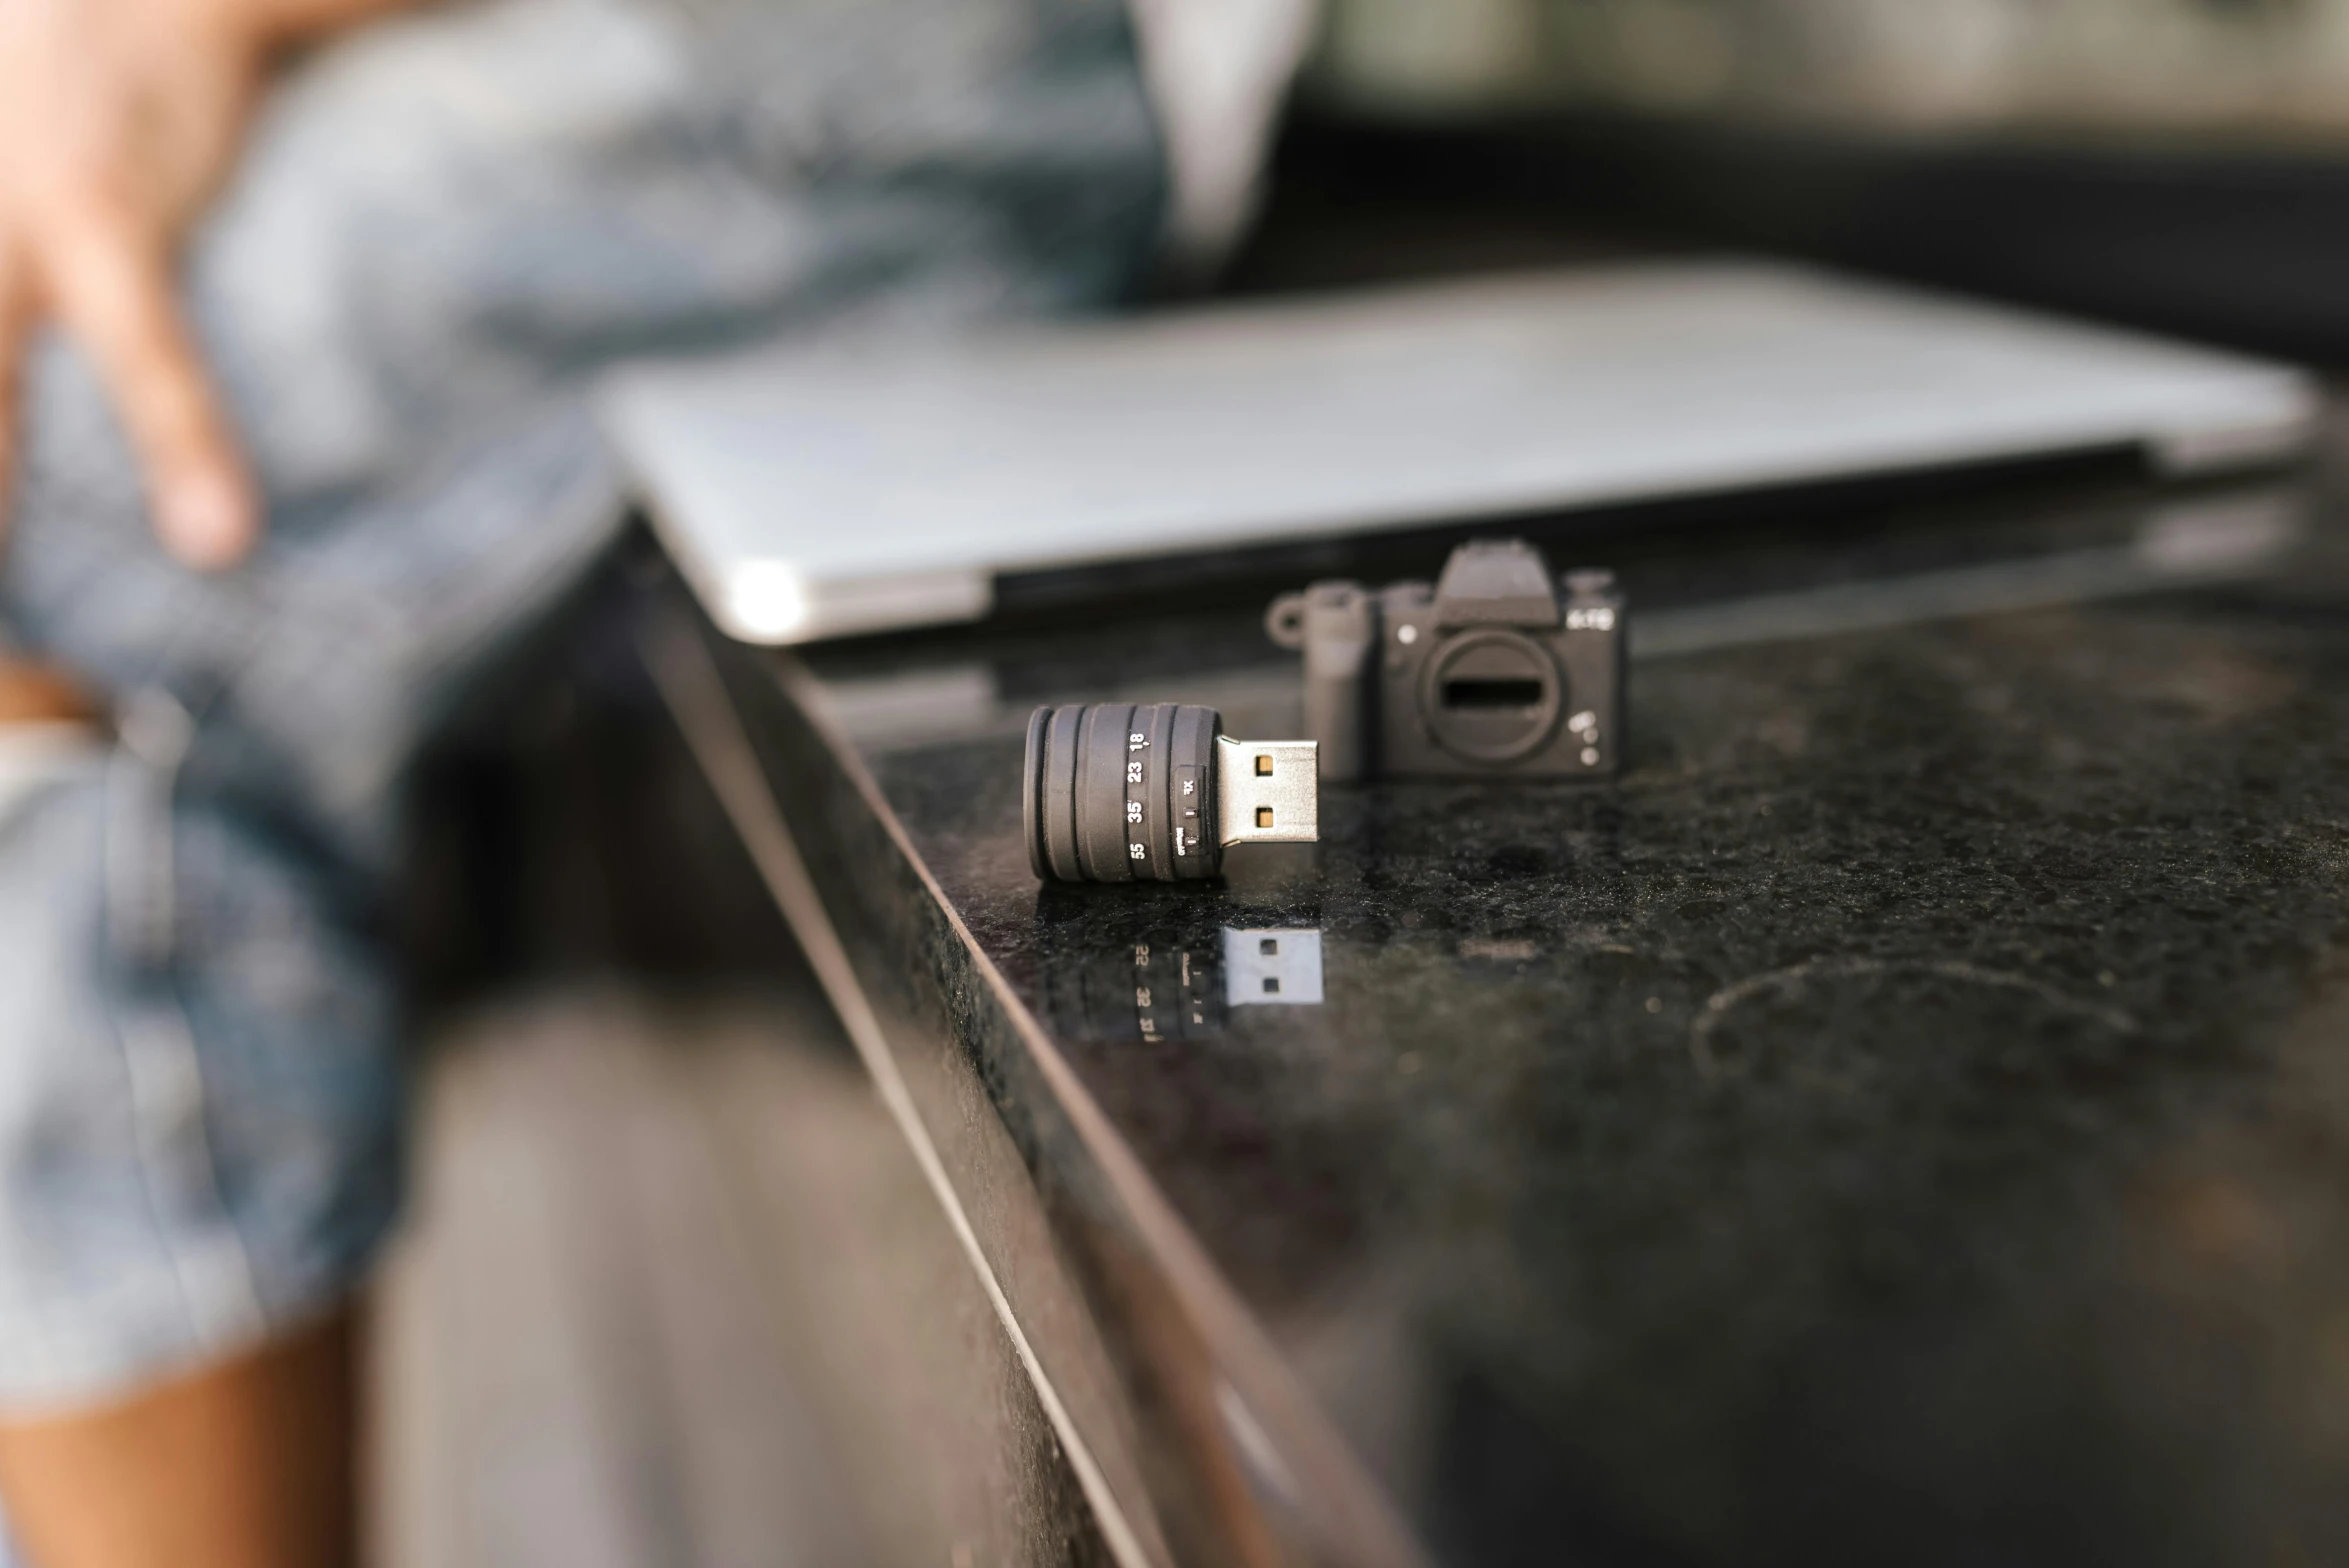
[1115, 792]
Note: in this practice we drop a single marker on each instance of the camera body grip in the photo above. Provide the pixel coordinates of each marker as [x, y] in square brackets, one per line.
[1335, 624]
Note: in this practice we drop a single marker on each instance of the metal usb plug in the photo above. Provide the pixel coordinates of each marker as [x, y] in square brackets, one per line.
[1267, 791]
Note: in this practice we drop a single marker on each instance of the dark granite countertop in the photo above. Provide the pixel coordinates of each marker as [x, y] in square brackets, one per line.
[1905, 1118]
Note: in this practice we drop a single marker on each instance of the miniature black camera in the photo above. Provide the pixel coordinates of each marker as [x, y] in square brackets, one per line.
[1499, 669]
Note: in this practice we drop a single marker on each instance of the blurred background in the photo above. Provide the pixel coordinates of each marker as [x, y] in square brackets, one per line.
[2247, 73]
[2181, 164]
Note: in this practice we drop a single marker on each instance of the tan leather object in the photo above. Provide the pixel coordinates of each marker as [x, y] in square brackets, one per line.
[32, 694]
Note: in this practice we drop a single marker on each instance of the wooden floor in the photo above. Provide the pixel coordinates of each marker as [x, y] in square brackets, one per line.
[674, 1293]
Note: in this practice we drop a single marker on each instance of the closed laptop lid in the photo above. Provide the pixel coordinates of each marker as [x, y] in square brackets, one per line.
[841, 488]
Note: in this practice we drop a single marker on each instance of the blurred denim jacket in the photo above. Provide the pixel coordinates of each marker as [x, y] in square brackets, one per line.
[442, 229]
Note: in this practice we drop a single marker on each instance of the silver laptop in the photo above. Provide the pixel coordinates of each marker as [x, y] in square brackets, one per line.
[832, 490]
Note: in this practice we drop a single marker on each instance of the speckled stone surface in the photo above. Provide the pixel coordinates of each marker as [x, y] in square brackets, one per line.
[1905, 1118]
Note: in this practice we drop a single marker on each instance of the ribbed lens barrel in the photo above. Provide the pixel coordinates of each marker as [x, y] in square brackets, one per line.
[1116, 792]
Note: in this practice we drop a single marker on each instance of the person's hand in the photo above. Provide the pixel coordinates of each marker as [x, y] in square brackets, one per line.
[118, 121]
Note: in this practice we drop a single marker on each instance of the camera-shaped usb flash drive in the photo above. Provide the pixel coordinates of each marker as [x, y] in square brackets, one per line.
[1500, 669]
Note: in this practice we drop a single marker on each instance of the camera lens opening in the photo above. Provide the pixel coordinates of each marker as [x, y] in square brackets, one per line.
[1485, 692]
[1491, 696]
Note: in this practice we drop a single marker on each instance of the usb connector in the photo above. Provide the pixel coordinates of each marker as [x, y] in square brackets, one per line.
[1267, 791]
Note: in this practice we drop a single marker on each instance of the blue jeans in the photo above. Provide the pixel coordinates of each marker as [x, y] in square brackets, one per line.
[444, 227]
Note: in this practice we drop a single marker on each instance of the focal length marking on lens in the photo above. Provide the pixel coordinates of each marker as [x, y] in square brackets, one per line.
[1138, 795]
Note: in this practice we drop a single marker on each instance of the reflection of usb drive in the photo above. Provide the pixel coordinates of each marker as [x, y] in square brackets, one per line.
[1115, 793]
[1161, 988]
[1271, 967]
